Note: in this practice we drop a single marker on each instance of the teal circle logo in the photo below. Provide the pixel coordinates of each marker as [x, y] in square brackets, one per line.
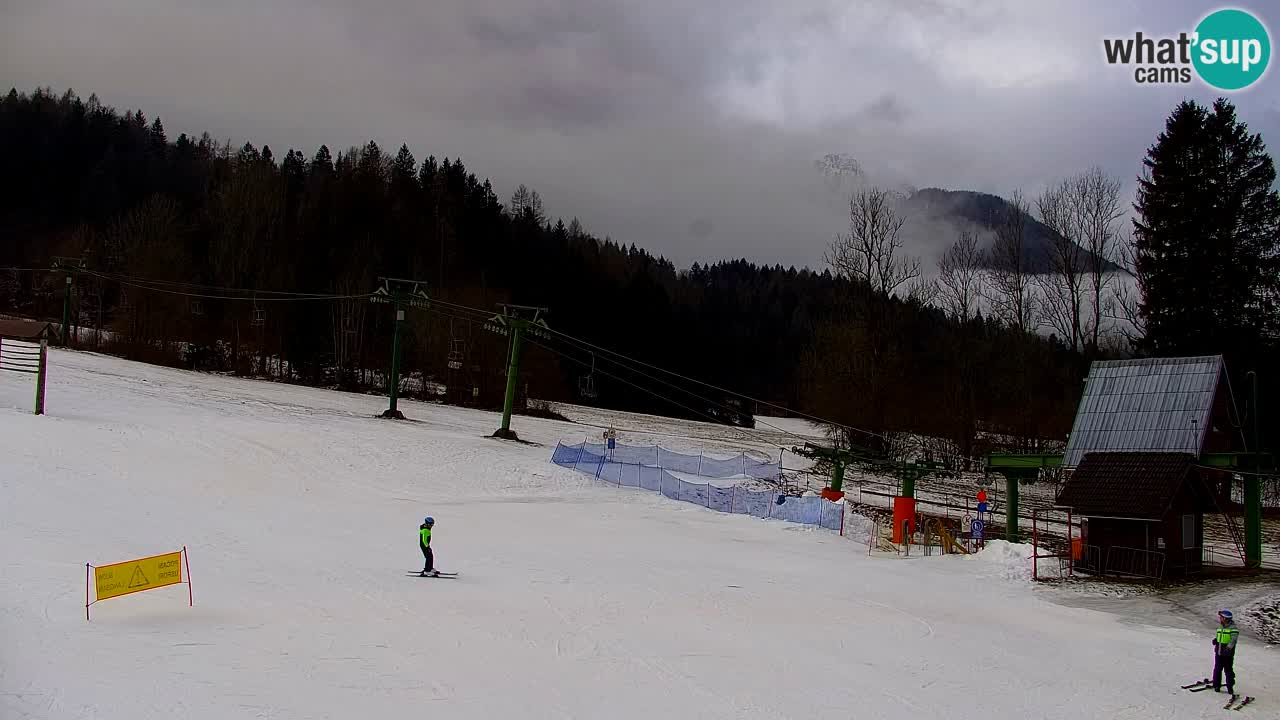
[1232, 49]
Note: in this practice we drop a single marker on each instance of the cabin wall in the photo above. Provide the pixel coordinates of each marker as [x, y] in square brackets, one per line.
[1165, 536]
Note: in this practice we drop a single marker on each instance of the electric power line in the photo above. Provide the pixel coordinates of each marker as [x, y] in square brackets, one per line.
[240, 298]
[943, 453]
[478, 315]
[118, 277]
[660, 380]
[149, 285]
[719, 389]
[569, 357]
[660, 396]
[583, 344]
[699, 397]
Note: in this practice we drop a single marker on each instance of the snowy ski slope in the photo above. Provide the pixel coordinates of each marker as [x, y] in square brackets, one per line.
[576, 600]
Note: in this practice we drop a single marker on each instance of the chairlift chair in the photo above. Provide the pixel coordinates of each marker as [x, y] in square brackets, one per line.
[259, 318]
[456, 350]
[587, 383]
[197, 308]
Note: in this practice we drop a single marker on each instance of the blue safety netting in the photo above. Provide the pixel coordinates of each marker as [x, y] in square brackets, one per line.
[702, 464]
[648, 468]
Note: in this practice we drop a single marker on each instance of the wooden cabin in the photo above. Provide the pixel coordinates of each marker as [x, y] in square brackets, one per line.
[1142, 513]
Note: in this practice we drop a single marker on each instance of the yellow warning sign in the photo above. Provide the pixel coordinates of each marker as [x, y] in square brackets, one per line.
[138, 575]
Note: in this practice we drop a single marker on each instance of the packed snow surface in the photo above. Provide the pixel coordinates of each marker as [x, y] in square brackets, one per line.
[300, 511]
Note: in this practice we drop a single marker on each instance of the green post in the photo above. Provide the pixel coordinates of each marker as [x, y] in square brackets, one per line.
[909, 481]
[1253, 494]
[393, 411]
[44, 364]
[837, 476]
[398, 293]
[1011, 507]
[513, 369]
[66, 314]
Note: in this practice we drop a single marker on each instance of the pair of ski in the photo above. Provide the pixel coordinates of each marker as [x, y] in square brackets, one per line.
[1235, 703]
[437, 574]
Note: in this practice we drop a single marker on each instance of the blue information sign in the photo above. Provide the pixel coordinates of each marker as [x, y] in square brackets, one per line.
[975, 529]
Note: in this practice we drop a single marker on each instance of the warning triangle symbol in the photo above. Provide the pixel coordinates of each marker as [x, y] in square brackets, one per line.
[138, 579]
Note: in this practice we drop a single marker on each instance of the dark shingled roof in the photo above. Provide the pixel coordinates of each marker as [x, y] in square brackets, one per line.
[1126, 484]
[26, 329]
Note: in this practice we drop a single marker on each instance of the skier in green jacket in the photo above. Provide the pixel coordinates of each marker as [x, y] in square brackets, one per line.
[1224, 652]
[424, 542]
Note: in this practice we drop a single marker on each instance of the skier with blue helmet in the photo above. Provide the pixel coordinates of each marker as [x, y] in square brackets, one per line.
[424, 542]
[1224, 652]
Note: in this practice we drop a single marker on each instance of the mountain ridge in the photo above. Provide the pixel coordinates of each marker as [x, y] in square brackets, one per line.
[981, 212]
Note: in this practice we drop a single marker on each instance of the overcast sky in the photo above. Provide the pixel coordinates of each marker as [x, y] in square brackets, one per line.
[689, 127]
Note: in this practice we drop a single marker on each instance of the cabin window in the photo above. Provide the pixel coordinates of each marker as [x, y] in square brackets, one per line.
[1188, 532]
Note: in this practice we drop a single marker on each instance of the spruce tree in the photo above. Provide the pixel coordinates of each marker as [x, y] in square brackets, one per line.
[1207, 238]
[404, 168]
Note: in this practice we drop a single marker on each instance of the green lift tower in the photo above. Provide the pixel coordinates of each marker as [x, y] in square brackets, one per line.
[400, 294]
[515, 321]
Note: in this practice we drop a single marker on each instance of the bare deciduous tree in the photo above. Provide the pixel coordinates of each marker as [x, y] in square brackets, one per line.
[872, 251]
[1099, 210]
[1082, 212]
[960, 277]
[923, 292]
[1012, 297]
[149, 240]
[1059, 208]
[524, 200]
[1123, 303]
[10, 288]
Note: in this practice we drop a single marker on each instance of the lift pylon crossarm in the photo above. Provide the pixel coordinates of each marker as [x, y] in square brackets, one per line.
[401, 292]
[68, 263]
[846, 456]
[840, 458]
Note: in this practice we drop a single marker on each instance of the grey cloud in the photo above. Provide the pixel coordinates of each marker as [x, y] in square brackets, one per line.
[688, 128]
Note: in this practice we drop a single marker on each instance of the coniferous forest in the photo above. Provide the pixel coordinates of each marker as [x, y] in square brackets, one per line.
[246, 259]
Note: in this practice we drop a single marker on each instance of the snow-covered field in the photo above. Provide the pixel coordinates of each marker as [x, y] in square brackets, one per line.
[300, 511]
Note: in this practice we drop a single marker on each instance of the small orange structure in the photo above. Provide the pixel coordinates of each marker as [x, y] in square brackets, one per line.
[904, 517]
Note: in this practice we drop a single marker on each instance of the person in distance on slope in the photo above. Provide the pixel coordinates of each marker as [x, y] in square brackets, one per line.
[424, 542]
[1224, 652]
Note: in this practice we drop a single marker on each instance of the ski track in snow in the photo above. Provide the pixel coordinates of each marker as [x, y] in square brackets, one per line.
[300, 509]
